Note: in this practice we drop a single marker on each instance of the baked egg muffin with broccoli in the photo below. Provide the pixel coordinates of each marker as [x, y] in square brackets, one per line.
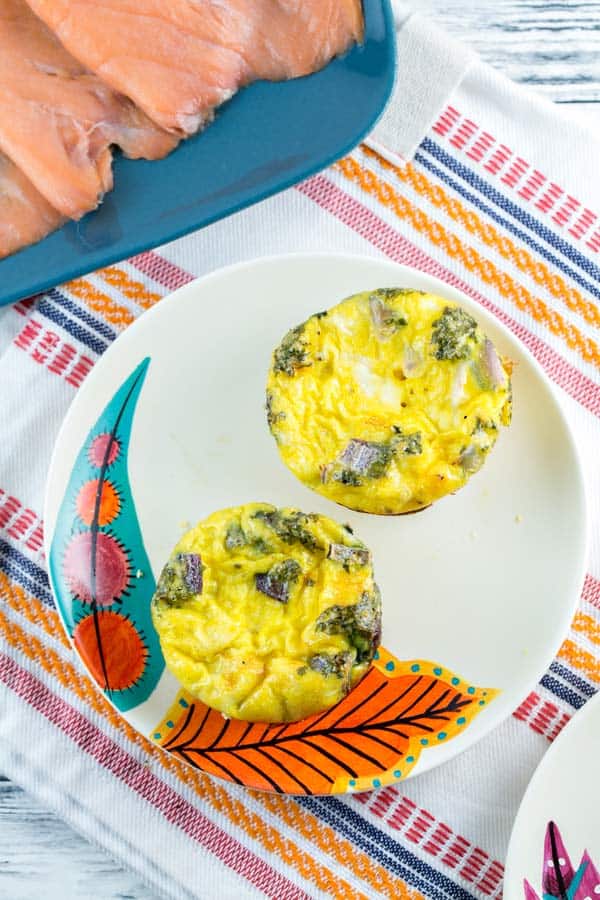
[388, 401]
[267, 614]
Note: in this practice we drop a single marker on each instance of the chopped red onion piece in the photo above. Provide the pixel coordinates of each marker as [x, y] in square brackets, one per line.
[325, 472]
[192, 572]
[278, 590]
[471, 458]
[277, 581]
[359, 455]
[411, 360]
[458, 383]
[492, 365]
[347, 555]
[385, 320]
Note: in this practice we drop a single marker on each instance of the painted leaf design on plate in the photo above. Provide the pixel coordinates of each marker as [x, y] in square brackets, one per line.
[558, 872]
[560, 880]
[374, 736]
[99, 568]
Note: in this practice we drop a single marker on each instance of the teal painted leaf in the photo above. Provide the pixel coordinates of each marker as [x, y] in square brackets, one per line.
[98, 565]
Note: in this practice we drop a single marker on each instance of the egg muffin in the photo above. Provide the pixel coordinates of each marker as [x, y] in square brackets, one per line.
[388, 401]
[267, 614]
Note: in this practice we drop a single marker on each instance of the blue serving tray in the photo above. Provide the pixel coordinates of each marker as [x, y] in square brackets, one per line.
[268, 137]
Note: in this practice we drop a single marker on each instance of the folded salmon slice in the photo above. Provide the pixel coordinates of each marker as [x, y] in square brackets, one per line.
[180, 59]
[58, 120]
[25, 216]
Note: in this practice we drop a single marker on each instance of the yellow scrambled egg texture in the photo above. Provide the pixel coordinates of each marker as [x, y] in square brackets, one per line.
[267, 614]
[388, 401]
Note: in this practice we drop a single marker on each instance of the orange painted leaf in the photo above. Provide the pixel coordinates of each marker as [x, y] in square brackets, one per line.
[383, 724]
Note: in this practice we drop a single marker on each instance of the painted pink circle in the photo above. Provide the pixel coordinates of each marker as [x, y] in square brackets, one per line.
[98, 449]
[112, 568]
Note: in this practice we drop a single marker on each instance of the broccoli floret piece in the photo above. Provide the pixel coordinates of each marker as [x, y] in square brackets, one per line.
[360, 623]
[291, 528]
[452, 334]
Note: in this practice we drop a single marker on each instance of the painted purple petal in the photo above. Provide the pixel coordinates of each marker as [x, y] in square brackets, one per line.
[192, 572]
[558, 870]
[590, 883]
[530, 894]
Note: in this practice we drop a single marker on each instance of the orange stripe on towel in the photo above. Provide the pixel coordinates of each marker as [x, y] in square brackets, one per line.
[100, 302]
[588, 626]
[580, 659]
[471, 259]
[519, 256]
[132, 289]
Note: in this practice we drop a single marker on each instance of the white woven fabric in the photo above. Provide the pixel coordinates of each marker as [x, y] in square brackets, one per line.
[430, 65]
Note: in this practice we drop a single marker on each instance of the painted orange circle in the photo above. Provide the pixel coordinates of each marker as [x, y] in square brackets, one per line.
[112, 650]
[109, 505]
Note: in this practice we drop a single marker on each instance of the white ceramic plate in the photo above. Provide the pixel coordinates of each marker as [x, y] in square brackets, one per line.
[478, 590]
[565, 791]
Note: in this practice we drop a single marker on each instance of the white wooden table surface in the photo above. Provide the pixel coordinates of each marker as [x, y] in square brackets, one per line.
[555, 48]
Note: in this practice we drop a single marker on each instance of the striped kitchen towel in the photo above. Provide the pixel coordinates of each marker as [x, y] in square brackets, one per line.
[496, 193]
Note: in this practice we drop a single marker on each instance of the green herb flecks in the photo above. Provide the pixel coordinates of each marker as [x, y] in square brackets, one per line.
[453, 334]
[291, 354]
[336, 664]
[276, 583]
[272, 417]
[360, 623]
[391, 293]
[483, 426]
[348, 477]
[236, 537]
[291, 528]
[411, 444]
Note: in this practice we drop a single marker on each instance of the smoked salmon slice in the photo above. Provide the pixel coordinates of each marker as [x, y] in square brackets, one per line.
[58, 120]
[25, 216]
[180, 59]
